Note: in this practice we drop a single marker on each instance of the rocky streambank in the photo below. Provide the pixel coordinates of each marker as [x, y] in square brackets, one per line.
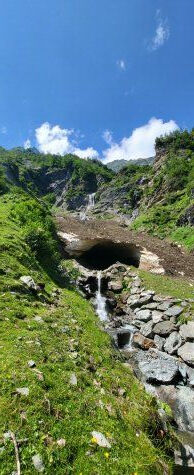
[155, 336]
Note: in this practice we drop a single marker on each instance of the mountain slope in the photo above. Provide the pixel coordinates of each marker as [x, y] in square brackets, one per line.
[117, 165]
[60, 377]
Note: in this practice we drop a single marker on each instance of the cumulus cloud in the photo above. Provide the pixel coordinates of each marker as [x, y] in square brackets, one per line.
[27, 144]
[107, 136]
[140, 144]
[88, 152]
[162, 32]
[121, 64]
[55, 140]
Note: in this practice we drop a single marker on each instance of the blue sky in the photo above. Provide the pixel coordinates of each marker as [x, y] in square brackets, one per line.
[94, 77]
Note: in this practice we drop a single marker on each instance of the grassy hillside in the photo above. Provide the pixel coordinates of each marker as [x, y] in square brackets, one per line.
[58, 330]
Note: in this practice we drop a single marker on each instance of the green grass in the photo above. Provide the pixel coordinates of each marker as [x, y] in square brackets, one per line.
[165, 285]
[70, 340]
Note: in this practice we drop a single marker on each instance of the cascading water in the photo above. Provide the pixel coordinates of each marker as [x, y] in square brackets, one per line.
[91, 201]
[90, 205]
[100, 301]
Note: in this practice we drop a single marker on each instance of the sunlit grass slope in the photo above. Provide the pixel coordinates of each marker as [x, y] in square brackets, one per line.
[65, 340]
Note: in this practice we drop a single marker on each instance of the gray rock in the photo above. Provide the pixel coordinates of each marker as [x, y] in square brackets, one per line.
[190, 374]
[186, 352]
[187, 331]
[73, 380]
[156, 366]
[38, 463]
[157, 316]
[100, 439]
[144, 315]
[164, 328]
[184, 457]
[181, 401]
[173, 342]
[174, 311]
[150, 306]
[115, 285]
[135, 302]
[159, 341]
[31, 364]
[183, 369]
[147, 329]
[28, 281]
[164, 305]
[23, 391]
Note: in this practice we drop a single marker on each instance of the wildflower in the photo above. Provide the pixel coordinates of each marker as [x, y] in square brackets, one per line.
[107, 455]
[94, 440]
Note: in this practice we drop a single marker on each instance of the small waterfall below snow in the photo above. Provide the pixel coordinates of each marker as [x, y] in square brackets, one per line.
[91, 201]
[90, 205]
[100, 301]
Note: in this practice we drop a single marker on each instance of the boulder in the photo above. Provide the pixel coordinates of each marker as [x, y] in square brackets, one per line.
[190, 374]
[184, 457]
[151, 306]
[135, 302]
[38, 463]
[181, 401]
[156, 366]
[157, 316]
[115, 285]
[173, 342]
[144, 315]
[164, 328]
[147, 329]
[28, 281]
[163, 306]
[187, 331]
[174, 311]
[143, 342]
[100, 439]
[186, 352]
[159, 341]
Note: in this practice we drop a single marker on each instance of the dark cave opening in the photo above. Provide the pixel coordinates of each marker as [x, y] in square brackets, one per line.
[105, 253]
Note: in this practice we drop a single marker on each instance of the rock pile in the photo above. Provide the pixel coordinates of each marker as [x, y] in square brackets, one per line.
[150, 332]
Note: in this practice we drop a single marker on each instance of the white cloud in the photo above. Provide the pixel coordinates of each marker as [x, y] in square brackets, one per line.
[3, 130]
[107, 136]
[140, 144]
[121, 64]
[162, 33]
[27, 144]
[89, 152]
[55, 140]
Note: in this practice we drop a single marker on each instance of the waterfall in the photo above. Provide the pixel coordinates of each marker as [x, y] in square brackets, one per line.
[100, 301]
[91, 201]
[90, 205]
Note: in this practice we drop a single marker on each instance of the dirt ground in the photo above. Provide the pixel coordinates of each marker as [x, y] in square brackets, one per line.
[174, 259]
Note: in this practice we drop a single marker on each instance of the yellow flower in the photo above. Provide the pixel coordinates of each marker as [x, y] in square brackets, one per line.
[107, 455]
[94, 440]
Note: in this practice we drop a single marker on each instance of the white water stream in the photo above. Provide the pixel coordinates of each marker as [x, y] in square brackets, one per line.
[100, 301]
[90, 205]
